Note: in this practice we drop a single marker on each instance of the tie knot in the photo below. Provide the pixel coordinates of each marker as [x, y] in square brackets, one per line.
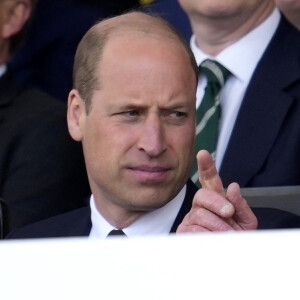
[116, 232]
[214, 72]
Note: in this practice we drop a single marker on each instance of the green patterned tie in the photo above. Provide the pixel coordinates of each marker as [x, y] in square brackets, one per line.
[209, 112]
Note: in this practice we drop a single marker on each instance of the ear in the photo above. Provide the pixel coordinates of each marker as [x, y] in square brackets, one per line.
[17, 12]
[76, 115]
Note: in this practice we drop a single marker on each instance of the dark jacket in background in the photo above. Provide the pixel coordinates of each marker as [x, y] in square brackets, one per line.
[42, 170]
[264, 148]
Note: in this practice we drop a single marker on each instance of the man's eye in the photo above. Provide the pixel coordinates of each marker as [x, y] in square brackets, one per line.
[132, 113]
[129, 113]
[178, 114]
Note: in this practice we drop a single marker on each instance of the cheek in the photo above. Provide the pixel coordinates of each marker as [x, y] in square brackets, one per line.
[95, 143]
[108, 142]
[183, 141]
[189, 147]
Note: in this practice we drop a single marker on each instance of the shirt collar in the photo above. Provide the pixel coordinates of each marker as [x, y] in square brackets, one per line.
[3, 69]
[156, 222]
[248, 49]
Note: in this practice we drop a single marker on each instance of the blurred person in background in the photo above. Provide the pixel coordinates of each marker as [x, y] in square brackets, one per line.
[45, 59]
[42, 171]
[258, 141]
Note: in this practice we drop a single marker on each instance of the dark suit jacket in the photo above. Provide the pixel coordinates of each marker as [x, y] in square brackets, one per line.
[78, 222]
[42, 171]
[171, 11]
[264, 148]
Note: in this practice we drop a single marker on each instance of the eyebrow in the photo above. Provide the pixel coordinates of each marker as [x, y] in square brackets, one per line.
[138, 105]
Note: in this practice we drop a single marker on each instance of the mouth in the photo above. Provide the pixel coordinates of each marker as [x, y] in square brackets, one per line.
[147, 173]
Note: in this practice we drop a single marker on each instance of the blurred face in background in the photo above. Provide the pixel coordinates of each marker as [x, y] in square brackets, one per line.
[221, 8]
[3, 12]
[13, 16]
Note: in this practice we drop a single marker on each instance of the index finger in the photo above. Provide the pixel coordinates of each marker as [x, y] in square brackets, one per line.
[208, 174]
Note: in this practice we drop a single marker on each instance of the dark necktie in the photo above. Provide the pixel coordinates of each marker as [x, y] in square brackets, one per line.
[115, 232]
[209, 112]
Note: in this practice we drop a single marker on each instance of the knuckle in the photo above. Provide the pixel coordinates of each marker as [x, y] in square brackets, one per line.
[223, 226]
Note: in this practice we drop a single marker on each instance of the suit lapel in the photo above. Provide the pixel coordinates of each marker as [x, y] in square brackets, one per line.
[81, 223]
[186, 205]
[264, 108]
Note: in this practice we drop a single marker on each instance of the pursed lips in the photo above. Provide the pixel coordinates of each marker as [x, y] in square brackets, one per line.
[149, 173]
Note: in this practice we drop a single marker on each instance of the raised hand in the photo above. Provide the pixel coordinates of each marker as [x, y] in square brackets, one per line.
[215, 209]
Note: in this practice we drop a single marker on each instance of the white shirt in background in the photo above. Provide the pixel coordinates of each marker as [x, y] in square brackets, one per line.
[241, 59]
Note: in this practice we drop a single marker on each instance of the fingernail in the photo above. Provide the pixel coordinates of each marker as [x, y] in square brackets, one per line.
[227, 210]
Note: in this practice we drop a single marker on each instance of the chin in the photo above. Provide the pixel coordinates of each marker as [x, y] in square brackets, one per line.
[146, 208]
[149, 203]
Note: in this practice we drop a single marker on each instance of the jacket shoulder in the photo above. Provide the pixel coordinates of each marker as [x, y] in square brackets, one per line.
[70, 224]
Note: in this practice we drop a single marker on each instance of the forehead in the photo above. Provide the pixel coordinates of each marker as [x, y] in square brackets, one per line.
[142, 40]
[145, 70]
[135, 51]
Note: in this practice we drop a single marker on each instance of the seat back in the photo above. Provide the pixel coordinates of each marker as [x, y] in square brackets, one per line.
[286, 198]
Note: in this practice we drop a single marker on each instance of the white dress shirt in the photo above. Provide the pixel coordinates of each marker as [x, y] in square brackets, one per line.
[156, 222]
[241, 59]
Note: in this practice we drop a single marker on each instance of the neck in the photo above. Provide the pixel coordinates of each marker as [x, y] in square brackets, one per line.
[120, 218]
[117, 216]
[4, 53]
[215, 34]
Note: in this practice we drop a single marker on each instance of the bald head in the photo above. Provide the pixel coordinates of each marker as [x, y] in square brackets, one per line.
[135, 25]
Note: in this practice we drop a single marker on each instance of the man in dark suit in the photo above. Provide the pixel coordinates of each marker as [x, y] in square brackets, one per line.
[133, 108]
[42, 171]
[259, 129]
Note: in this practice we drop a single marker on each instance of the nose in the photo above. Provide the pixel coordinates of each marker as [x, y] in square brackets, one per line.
[152, 138]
